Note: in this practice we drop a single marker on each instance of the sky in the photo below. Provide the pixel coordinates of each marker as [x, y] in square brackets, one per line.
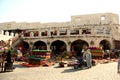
[53, 10]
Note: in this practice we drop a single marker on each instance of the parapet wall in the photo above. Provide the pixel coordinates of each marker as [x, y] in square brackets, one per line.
[5, 37]
[101, 18]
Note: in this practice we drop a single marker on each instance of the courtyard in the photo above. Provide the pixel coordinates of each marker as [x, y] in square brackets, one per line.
[106, 71]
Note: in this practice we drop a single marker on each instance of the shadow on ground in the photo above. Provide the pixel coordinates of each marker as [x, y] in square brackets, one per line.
[70, 70]
[19, 66]
[73, 70]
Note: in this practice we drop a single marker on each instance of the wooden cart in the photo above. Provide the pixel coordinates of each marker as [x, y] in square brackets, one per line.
[39, 55]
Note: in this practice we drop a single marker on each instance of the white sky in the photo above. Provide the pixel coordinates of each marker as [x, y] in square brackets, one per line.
[53, 10]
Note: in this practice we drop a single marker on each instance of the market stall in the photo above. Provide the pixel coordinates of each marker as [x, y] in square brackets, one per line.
[39, 57]
[96, 52]
[45, 54]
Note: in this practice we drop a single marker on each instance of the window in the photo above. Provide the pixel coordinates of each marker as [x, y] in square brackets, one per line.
[86, 31]
[100, 31]
[108, 31]
[102, 17]
[44, 33]
[27, 34]
[54, 32]
[74, 32]
[36, 33]
[63, 32]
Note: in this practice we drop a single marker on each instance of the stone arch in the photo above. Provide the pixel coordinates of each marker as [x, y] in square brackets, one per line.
[58, 47]
[24, 46]
[78, 45]
[105, 44]
[40, 45]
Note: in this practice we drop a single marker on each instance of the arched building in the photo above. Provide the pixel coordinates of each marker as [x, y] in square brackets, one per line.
[91, 30]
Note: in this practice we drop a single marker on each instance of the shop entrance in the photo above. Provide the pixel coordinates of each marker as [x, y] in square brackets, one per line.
[23, 46]
[58, 47]
[77, 47]
[40, 45]
[105, 45]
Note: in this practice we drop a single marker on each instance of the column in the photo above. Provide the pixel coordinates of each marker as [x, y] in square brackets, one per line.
[48, 47]
[58, 33]
[12, 34]
[16, 34]
[68, 32]
[80, 31]
[68, 46]
[39, 33]
[31, 34]
[49, 33]
[31, 47]
[2, 32]
[7, 33]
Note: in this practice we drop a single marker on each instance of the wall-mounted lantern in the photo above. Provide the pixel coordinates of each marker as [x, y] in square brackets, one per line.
[48, 42]
[31, 43]
[69, 42]
[92, 42]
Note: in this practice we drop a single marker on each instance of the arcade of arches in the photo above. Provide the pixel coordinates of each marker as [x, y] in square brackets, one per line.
[58, 47]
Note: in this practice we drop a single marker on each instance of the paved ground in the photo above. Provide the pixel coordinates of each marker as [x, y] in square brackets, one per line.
[99, 72]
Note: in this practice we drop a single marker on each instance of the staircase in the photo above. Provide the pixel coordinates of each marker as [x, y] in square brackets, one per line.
[16, 41]
[12, 41]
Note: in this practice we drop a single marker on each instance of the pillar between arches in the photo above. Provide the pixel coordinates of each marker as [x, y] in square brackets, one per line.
[48, 47]
[68, 47]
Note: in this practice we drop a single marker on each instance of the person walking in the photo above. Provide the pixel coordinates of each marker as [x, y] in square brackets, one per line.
[88, 57]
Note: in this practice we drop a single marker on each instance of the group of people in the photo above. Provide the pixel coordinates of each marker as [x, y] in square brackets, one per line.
[86, 58]
[113, 54]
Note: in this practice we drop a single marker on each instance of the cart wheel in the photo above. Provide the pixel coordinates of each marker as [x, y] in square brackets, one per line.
[12, 69]
[75, 66]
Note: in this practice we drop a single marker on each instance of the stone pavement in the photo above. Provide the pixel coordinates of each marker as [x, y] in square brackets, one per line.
[99, 72]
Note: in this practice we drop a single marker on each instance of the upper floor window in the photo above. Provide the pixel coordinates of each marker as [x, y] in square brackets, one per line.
[54, 33]
[100, 31]
[108, 31]
[36, 33]
[63, 32]
[44, 33]
[27, 34]
[73, 32]
[86, 31]
[102, 17]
